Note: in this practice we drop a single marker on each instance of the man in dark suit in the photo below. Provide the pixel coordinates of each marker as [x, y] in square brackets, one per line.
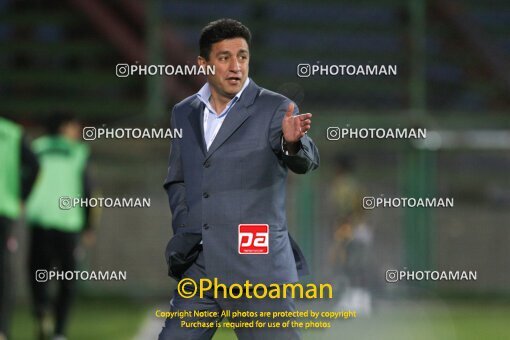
[230, 168]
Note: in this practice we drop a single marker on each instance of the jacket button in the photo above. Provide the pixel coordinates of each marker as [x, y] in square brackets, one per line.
[205, 195]
[207, 164]
[206, 226]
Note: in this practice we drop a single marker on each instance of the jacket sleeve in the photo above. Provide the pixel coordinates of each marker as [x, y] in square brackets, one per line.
[174, 185]
[307, 158]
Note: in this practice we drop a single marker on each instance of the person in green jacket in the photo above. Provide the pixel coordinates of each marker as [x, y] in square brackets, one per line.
[54, 231]
[18, 171]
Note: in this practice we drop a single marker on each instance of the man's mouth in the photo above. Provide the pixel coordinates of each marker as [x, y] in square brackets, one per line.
[233, 80]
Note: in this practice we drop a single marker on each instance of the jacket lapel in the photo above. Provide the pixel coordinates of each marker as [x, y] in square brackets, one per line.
[195, 118]
[237, 115]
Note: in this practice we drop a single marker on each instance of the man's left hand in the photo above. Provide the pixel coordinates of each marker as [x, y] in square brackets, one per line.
[295, 127]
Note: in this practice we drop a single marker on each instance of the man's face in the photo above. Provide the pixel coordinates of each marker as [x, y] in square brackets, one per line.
[71, 130]
[230, 58]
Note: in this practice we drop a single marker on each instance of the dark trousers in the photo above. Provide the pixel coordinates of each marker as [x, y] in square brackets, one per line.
[172, 329]
[6, 286]
[52, 250]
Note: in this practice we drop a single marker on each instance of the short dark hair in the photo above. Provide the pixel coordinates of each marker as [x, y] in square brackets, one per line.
[220, 30]
[58, 119]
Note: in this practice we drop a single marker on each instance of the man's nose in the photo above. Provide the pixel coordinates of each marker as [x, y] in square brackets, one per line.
[234, 65]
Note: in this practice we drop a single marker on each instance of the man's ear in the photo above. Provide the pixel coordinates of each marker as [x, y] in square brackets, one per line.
[201, 61]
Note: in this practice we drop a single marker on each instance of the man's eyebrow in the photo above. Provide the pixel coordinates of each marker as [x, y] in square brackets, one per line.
[229, 53]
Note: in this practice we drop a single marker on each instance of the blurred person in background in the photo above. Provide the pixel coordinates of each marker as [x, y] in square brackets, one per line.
[18, 171]
[351, 249]
[55, 232]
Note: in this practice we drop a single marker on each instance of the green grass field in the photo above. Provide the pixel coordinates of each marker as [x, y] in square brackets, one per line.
[90, 319]
[116, 319]
[418, 320]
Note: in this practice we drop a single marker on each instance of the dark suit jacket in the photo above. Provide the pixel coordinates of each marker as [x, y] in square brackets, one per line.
[240, 179]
